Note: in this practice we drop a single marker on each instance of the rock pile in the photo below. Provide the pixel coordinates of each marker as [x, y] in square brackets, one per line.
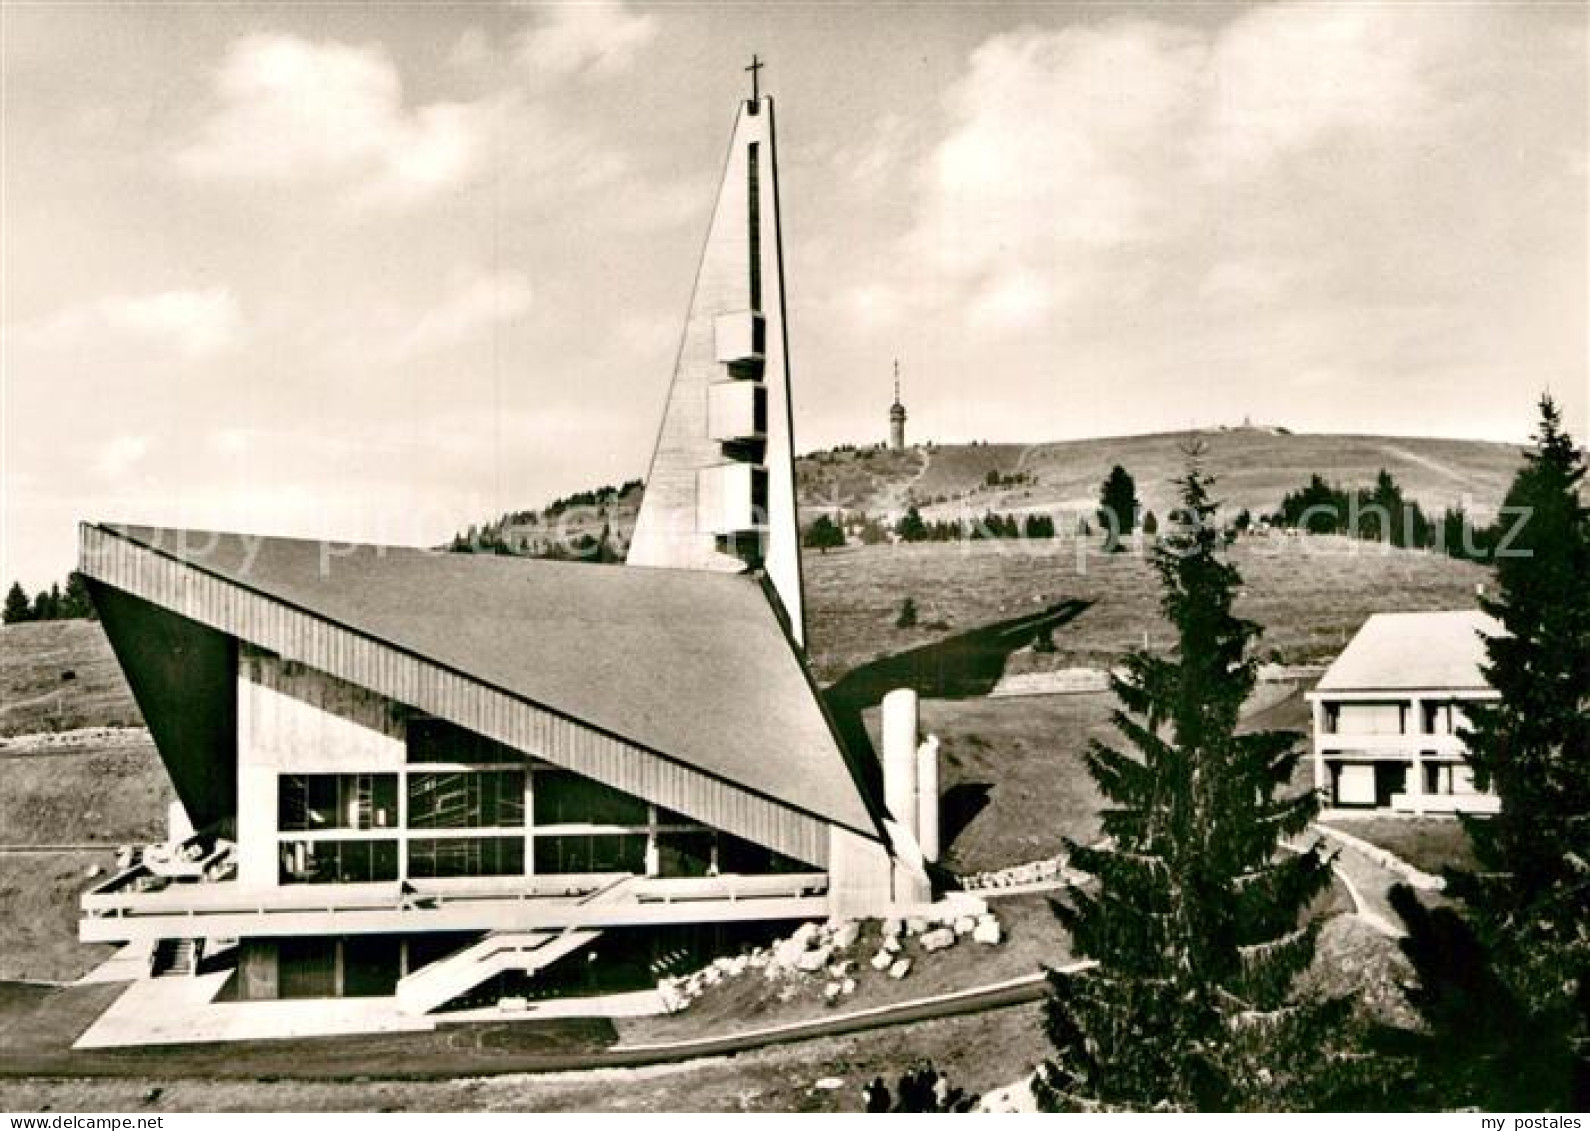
[1035, 872]
[828, 958]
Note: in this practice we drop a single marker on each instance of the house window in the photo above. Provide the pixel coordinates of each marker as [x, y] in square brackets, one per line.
[466, 800]
[338, 861]
[311, 802]
[441, 858]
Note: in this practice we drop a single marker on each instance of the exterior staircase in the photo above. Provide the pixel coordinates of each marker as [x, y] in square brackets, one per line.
[176, 958]
[438, 983]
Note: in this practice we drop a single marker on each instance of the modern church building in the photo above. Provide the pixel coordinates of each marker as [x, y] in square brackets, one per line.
[437, 775]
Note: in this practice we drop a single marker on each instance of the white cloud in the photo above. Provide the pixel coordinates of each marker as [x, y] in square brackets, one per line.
[597, 36]
[194, 324]
[120, 454]
[474, 303]
[289, 110]
[1090, 164]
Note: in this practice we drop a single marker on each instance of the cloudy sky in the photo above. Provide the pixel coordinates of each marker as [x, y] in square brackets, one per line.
[383, 270]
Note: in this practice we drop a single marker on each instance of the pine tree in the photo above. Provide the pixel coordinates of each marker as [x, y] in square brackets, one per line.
[822, 534]
[17, 608]
[76, 602]
[1195, 916]
[911, 528]
[1117, 507]
[1530, 898]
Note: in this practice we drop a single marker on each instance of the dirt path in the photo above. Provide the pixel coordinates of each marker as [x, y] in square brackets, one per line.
[1425, 461]
[1368, 882]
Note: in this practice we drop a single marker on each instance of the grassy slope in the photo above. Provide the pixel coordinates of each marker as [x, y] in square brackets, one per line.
[95, 794]
[1310, 594]
[92, 794]
[1033, 940]
[1256, 467]
[980, 1053]
[34, 696]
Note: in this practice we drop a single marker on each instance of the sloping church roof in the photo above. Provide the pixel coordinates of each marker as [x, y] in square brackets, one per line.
[693, 665]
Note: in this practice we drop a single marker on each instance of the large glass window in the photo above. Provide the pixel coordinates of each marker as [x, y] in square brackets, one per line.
[310, 802]
[750, 858]
[438, 858]
[595, 853]
[466, 800]
[338, 861]
[686, 854]
[562, 798]
[433, 740]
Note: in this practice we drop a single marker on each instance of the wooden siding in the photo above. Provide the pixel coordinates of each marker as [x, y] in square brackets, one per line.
[296, 635]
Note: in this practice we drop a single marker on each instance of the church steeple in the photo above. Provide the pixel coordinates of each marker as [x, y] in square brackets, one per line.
[721, 491]
[897, 415]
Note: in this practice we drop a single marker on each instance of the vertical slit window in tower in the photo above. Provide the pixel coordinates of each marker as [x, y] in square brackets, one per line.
[754, 216]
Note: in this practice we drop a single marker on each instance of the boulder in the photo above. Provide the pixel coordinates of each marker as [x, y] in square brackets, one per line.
[940, 939]
[964, 924]
[892, 945]
[847, 987]
[788, 952]
[832, 991]
[900, 969]
[987, 931]
[841, 969]
[882, 960]
[892, 928]
[915, 925]
[846, 934]
[814, 960]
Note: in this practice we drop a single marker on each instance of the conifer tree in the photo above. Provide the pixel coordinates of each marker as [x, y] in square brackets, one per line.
[1117, 507]
[1195, 913]
[1529, 899]
[17, 608]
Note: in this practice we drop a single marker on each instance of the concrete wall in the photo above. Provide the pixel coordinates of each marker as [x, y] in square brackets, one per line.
[294, 719]
[668, 531]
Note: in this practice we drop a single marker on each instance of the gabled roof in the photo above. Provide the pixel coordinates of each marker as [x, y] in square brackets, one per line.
[693, 665]
[1414, 651]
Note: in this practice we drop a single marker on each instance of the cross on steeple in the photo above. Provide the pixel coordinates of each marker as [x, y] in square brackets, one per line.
[755, 67]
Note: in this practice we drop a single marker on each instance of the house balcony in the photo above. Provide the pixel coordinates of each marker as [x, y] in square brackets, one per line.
[1390, 745]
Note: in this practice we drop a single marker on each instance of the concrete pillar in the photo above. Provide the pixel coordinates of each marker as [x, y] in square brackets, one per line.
[1321, 778]
[1416, 756]
[899, 757]
[927, 797]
